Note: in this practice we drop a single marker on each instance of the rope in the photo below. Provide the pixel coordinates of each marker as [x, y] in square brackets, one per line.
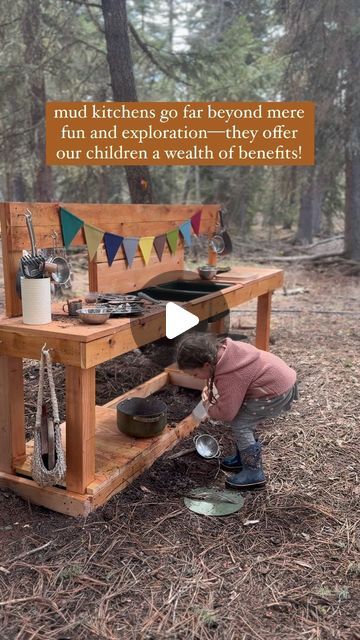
[40, 473]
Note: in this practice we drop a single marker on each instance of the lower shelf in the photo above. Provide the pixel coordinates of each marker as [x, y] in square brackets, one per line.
[119, 460]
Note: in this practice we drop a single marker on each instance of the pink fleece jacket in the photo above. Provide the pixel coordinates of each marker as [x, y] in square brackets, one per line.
[242, 372]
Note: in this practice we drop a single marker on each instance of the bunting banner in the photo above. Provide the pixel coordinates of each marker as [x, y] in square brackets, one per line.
[112, 244]
[196, 221]
[130, 246]
[172, 238]
[93, 237]
[159, 245]
[185, 230]
[145, 246]
[71, 224]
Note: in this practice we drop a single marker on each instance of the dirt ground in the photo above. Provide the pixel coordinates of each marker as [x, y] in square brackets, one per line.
[144, 567]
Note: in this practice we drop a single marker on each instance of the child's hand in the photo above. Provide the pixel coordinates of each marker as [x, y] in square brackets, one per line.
[205, 395]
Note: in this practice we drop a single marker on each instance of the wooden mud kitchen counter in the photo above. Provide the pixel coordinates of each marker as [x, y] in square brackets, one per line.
[100, 460]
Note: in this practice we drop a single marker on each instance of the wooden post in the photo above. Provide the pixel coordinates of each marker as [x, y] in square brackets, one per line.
[80, 428]
[263, 321]
[12, 420]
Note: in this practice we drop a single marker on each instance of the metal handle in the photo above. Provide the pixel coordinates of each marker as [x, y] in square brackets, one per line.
[29, 224]
[145, 296]
[145, 419]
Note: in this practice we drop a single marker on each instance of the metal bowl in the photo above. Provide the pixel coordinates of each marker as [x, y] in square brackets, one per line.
[207, 272]
[206, 446]
[93, 315]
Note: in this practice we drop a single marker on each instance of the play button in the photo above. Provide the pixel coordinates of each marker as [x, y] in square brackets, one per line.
[178, 320]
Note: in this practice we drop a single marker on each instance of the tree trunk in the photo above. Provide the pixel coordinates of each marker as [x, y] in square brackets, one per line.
[42, 184]
[123, 85]
[352, 142]
[305, 224]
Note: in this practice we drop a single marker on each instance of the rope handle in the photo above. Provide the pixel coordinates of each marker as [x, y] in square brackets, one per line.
[45, 361]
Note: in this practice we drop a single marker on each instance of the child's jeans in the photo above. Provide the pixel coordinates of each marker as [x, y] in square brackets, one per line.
[255, 410]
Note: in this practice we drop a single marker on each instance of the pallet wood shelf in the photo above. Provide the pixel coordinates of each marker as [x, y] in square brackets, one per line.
[100, 460]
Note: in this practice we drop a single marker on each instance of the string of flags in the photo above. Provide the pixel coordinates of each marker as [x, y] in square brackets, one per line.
[71, 224]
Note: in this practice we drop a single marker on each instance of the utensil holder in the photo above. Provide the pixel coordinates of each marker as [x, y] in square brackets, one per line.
[36, 300]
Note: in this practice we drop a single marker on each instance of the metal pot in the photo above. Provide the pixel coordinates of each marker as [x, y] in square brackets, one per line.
[221, 242]
[141, 417]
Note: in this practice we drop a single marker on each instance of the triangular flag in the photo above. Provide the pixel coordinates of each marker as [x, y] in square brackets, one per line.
[185, 230]
[93, 237]
[146, 245]
[196, 221]
[130, 246]
[70, 225]
[172, 238]
[112, 243]
[159, 244]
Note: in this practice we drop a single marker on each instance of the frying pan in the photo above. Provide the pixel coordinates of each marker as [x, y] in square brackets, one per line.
[221, 242]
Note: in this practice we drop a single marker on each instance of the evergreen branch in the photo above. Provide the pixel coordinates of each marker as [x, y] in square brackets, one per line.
[85, 4]
[144, 47]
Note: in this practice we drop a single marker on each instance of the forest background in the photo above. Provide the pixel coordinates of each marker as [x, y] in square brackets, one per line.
[203, 50]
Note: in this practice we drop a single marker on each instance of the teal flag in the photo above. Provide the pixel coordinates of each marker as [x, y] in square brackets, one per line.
[70, 225]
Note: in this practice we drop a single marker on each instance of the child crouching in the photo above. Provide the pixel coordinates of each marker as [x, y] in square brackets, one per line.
[251, 385]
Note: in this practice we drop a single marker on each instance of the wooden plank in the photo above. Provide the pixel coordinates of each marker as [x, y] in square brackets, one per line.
[12, 419]
[124, 219]
[66, 502]
[15, 344]
[120, 279]
[103, 491]
[11, 262]
[263, 321]
[80, 428]
[178, 377]
[143, 390]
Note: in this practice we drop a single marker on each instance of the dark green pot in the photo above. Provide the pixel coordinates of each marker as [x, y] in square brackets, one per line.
[141, 417]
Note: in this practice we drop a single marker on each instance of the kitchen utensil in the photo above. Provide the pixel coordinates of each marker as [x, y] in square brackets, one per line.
[61, 275]
[123, 310]
[145, 296]
[207, 272]
[223, 269]
[206, 446]
[71, 307]
[141, 417]
[93, 315]
[211, 501]
[32, 266]
[30, 228]
[221, 242]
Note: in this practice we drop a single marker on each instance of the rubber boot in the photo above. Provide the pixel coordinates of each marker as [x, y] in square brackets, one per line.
[232, 463]
[252, 474]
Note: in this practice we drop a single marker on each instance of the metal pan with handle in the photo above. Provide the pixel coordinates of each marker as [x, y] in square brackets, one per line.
[221, 242]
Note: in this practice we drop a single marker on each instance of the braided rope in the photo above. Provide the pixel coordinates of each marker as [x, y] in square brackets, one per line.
[43, 476]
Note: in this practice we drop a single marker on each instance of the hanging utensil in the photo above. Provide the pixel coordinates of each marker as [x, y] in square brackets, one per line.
[221, 242]
[57, 265]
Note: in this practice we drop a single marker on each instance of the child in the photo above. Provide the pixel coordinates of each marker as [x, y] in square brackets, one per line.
[251, 385]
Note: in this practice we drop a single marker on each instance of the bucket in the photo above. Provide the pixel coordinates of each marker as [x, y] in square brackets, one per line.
[141, 417]
[36, 300]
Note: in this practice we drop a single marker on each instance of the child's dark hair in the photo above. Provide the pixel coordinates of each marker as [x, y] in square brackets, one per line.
[196, 349]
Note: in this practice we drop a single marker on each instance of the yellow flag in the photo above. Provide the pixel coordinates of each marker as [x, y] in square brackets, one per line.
[93, 237]
[146, 245]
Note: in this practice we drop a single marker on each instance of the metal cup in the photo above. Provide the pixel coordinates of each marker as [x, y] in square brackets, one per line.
[72, 306]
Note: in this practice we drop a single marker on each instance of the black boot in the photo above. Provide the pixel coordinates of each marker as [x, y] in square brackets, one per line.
[232, 463]
[252, 474]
